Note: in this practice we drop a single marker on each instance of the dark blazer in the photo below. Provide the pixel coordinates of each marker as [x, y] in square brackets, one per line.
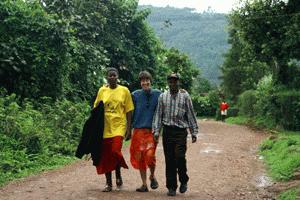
[92, 135]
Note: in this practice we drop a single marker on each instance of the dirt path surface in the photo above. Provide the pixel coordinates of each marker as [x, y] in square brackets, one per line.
[223, 164]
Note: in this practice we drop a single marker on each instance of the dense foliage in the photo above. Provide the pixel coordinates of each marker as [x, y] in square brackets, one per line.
[208, 104]
[37, 135]
[33, 50]
[262, 66]
[66, 45]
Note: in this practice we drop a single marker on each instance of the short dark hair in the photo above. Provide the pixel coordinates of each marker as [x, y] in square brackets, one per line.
[145, 75]
[111, 69]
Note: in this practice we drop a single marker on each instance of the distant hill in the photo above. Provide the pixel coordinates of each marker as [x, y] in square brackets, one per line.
[201, 35]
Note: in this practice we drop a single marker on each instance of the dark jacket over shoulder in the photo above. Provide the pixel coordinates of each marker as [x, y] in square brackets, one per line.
[92, 135]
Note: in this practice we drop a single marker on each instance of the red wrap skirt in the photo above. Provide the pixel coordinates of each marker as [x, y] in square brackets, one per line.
[142, 149]
[111, 155]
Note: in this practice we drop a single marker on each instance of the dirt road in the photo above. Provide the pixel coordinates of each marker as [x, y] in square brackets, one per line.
[223, 164]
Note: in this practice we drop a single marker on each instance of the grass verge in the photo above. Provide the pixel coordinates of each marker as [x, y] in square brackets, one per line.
[289, 195]
[281, 153]
[34, 167]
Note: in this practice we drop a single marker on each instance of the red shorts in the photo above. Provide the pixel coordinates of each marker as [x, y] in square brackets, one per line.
[142, 149]
[111, 155]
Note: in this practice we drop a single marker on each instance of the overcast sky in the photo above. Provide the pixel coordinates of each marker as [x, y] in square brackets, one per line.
[220, 6]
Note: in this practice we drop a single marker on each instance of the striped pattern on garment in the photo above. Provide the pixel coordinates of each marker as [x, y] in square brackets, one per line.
[175, 110]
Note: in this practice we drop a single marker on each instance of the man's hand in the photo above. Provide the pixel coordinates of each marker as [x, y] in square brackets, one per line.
[128, 135]
[87, 157]
[194, 138]
[156, 138]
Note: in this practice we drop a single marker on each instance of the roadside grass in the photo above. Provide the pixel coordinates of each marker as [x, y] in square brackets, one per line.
[240, 120]
[289, 194]
[281, 152]
[206, 118]
[41, 164]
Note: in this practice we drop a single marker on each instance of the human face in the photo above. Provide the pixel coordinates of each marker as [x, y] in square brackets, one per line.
[173, 85]
[112, 78]
[146, 84]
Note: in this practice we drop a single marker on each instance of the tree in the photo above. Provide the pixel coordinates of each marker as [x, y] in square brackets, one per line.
[33, 50]
[180, 63]
[264, 39]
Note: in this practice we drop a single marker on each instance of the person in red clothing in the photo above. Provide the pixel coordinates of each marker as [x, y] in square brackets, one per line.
[223, 107]
[118, 107]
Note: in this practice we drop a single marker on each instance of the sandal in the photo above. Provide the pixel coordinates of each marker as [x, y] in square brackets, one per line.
[143, 188]
[153, 183]
[107, 188]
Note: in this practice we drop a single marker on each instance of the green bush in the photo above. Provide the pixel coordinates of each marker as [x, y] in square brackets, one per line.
[265, 96]
[206, 105]
[202, 106]
[232, 112]
[271, 107]
[214, 99]
[35, 136]
[265, 109]
[288, 105]
[246, 102]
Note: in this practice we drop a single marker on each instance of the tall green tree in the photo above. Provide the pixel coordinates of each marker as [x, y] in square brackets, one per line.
[265, 38]
[33, 50]
[116, 30]
[180, 63]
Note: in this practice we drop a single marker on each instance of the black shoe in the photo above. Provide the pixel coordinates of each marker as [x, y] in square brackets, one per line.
[183, 188]
[143, 188]
[153, 183]
[107, 188]
[119, 182]
[171, 192]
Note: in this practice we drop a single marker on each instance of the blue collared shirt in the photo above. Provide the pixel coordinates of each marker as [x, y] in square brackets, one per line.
[144, 107]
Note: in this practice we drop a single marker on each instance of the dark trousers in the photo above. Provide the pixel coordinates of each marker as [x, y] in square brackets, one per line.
[174, 143]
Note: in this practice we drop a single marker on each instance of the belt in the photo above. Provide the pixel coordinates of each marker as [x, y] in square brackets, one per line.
[176, 128]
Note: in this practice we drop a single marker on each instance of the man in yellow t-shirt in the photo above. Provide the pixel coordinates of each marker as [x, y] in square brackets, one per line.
[118, 107]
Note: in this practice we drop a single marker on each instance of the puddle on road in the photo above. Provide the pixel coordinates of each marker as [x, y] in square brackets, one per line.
[263, 181]
[210, 144]
[210, 150]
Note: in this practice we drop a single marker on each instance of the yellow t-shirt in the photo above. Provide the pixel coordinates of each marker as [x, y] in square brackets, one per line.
[117, 102]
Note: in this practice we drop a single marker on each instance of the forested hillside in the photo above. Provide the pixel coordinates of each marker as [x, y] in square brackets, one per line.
[202, 36]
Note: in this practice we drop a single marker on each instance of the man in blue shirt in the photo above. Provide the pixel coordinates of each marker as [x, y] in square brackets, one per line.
[143, 145]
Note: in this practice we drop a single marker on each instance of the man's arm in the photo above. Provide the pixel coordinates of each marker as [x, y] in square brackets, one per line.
[191, 117]
[157, 119]
[128, 128]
